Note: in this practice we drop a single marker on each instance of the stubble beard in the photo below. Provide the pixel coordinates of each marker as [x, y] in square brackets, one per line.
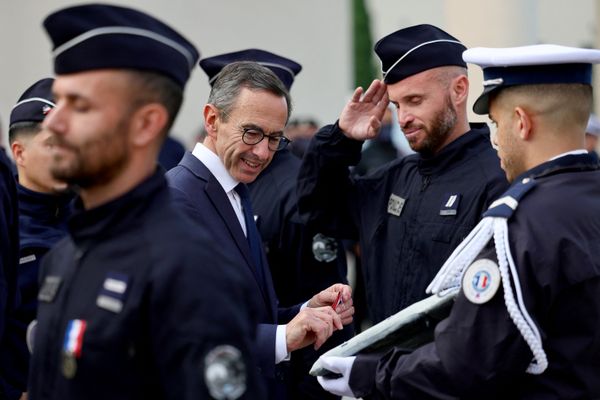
[436, 134]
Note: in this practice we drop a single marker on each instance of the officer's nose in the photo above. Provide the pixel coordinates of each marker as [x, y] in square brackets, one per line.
[404, 117]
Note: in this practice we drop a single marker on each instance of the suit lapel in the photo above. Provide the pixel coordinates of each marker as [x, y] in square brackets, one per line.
[222, 205]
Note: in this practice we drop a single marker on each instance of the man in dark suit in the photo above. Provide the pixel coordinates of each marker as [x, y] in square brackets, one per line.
[245, 116]
[302, 261]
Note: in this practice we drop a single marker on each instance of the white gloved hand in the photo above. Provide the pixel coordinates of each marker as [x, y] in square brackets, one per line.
[338, 365]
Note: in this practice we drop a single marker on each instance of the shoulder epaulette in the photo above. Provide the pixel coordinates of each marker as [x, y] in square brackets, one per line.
[506, 205]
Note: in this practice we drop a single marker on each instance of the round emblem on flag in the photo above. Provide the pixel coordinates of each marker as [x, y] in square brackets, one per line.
[481, 281]
[225, 373]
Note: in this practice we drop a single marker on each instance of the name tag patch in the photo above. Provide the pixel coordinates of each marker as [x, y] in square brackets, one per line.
[113, 292]
[450, 204]
[27, 259]
[395, 205]
[49, 288]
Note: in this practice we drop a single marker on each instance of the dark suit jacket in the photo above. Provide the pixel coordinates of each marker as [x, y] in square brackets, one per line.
[197, 191]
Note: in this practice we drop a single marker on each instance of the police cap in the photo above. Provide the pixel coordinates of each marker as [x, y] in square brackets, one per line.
[285, 69]
[98, 36]
[415, 49]
[529, 65]
[34, 103]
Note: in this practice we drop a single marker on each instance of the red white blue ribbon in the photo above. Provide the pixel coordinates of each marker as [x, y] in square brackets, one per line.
[74, 337]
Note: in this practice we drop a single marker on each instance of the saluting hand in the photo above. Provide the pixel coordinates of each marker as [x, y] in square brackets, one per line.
[329, 297]
[362, 115]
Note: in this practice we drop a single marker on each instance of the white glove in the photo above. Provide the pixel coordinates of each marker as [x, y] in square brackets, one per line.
[338, 365]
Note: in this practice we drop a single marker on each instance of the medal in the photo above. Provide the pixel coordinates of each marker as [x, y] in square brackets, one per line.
[72, 347]
[69, 365]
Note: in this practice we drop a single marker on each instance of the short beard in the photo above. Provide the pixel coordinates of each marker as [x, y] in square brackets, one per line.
[439, 131]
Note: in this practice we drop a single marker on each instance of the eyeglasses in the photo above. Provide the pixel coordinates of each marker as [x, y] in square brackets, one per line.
[252, 136]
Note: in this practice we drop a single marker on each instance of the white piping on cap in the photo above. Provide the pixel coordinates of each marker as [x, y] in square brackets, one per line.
[34, 99]
[415, 48]
[108, 30]
[493, 82]
[264, 64]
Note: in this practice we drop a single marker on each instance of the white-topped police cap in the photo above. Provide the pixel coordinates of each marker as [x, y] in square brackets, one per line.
[285, 69]
[593, 125]
[35, 102]
[529, 65]
[415, 49]
[98, 36]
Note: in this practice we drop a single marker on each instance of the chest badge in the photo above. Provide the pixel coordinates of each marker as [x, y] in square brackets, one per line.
[481, 281]
[395, 205]
[113, 292]
[49, 288]
[450, 204]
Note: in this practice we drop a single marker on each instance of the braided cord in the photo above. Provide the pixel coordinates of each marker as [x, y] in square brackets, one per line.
[518, 313]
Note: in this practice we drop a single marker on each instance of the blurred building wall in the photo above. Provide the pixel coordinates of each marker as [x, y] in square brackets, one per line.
[314, 32]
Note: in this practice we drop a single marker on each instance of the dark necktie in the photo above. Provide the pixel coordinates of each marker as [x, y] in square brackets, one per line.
[252, 234]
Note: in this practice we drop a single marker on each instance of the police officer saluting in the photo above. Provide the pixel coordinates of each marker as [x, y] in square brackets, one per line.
[127, 300]
[410, 214]
[526, 322]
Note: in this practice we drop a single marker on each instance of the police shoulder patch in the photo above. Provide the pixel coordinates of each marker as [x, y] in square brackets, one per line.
[481, 281]
[225, 373]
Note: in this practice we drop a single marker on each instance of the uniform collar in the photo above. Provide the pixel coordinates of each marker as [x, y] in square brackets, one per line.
[119, 214]
[564, 163]
[43, 206]
[452, 151]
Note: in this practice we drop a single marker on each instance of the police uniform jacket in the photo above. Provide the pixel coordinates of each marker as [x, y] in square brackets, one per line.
[196, 191]
[42, 223]
[409, 215]
[158, 302]
[9, 253]
[554, 237]
[302, 261]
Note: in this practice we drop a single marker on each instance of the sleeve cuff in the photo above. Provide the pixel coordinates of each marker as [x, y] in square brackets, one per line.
[281, 353]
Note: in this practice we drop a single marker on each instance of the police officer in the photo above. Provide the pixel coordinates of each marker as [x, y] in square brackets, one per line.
[302, 261]
[410, 214]
[525, 324]
[43, 211]
[9, 259]
[129, 307]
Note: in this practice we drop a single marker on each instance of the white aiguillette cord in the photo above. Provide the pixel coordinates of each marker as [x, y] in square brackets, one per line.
[449, 277]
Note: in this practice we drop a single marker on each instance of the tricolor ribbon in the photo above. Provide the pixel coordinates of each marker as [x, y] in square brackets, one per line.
[74, 337]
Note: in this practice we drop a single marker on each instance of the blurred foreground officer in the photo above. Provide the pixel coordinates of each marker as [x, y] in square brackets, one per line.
[9, 257]
[245, 116]
[526, 322]
[410, 214]
[43, 211]
[302, 261]
[127, 300]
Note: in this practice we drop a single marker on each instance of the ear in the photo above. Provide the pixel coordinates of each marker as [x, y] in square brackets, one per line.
[524, 123]
[18, 152]
[460, 89]
[148, 122]
[211, 120]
